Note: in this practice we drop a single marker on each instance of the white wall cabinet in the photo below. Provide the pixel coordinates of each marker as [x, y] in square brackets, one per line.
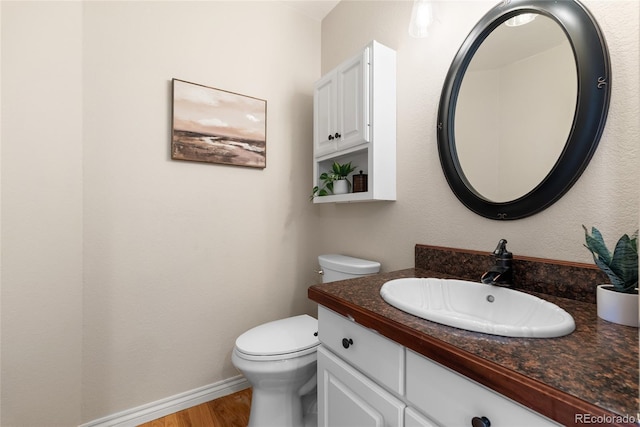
[365, 379]
[341, 113]
[354, 120]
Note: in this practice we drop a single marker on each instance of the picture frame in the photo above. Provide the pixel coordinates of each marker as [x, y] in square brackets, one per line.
[217, 126]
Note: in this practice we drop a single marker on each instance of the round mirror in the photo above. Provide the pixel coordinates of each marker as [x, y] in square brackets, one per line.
[523, 107]
[520, 77]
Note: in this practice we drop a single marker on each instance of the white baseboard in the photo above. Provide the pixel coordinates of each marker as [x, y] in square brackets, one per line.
[151, 411]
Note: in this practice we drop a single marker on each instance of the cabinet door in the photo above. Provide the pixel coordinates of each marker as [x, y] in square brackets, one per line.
[413, 418]
[346, 398]
[353, 101]
[325, 114]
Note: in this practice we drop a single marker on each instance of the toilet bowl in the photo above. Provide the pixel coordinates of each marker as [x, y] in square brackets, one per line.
[279, 361]
[279, 358]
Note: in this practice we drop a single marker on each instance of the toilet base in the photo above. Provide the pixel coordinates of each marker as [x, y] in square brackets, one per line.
[310, 409]
[283, 410]
[284, 391]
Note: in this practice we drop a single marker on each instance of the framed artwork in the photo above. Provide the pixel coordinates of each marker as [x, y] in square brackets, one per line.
[215, 126]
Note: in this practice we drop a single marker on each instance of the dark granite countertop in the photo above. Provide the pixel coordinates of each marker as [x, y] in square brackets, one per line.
[594, 370]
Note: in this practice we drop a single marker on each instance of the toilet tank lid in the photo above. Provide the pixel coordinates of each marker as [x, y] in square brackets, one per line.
[283, 336]
[347, 264]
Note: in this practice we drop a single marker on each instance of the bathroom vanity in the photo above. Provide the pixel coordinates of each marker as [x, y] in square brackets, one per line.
[381, 366]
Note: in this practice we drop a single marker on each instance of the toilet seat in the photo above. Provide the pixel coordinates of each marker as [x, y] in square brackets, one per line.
[280, 339]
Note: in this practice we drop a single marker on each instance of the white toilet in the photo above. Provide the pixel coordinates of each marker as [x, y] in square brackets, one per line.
[279, 358]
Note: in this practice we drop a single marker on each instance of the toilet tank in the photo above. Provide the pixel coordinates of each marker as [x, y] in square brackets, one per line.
[340, 267]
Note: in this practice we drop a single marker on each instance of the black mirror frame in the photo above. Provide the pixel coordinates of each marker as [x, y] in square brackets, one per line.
[594, 88]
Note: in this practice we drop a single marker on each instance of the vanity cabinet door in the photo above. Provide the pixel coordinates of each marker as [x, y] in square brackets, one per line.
[346, 398]
[413, 418]
[453, 400]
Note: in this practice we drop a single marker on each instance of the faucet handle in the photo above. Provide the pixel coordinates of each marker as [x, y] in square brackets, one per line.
[501, 250]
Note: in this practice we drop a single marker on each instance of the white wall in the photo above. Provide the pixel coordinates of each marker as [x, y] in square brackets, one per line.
[127, 276]
[41, 193]
[426, 210]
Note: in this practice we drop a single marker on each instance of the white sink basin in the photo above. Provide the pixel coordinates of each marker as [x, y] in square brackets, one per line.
[478, 307]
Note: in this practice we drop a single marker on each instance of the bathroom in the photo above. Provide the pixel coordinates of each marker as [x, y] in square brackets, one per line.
[127, 276]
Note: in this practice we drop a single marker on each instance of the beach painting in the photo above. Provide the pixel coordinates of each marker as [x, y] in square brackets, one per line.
[215, 126]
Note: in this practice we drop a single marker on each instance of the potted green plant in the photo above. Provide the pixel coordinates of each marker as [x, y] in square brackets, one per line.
[334, 181]
[617, 302]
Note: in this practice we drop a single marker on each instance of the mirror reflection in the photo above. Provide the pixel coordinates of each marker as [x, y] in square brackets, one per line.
[516, 106]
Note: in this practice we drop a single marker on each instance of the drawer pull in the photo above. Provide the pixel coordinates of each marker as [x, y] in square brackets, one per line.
[347, 342]
[480, 422]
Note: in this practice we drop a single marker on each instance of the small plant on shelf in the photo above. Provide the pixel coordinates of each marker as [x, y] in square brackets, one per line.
[622, 265]
[338, 172]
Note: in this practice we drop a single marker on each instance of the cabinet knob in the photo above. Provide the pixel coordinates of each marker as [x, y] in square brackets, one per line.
[347, 342]
[480, 422]
[330, 137]
[337, 135]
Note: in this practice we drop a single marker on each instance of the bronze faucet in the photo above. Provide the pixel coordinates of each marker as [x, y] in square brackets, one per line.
[501, 273]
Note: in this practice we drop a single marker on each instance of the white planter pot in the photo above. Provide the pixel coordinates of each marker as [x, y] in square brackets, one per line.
[617, 307]
[340, 186]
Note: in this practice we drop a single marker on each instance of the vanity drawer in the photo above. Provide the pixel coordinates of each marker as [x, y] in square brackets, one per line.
[451, 399]
[376, 356]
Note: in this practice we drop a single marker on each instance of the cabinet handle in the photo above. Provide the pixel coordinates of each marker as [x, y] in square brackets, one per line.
[347, 342]
[330, 137]
[337, 135]
[480, 422]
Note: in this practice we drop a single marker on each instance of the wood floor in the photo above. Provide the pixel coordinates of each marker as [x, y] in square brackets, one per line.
[227, 411]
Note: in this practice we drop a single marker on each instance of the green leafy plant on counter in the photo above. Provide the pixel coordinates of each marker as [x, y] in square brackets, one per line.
[338, 172]
[622, 265]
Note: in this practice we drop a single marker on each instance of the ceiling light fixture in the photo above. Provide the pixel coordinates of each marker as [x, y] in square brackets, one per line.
[421, 18]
